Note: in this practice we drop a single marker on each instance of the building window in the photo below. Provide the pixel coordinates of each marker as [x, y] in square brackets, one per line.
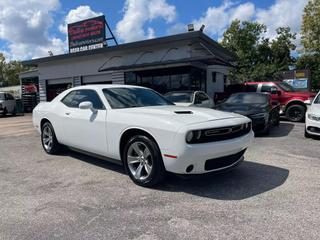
[214, 77]
[169, 79]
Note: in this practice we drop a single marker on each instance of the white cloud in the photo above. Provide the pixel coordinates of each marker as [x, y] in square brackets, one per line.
[78, 14]
[24, 25]
[282, 13]
[137, 13]
[177, 28]
[217, 19]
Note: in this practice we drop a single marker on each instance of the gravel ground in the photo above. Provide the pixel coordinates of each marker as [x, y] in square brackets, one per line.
[274, 194]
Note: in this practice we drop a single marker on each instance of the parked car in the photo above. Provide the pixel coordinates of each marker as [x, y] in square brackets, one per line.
[139, 128]
[291, 102]
[190, 98]
[7, 103]
[259, 107]
[313, 118]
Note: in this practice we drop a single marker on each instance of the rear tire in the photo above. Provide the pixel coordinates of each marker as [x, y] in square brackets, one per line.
[296, 113]
[4, 113]
[49, 141]
[14, 112]
[143, 162]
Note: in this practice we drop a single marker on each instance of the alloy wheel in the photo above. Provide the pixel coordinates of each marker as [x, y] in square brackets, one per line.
[139, 160]
[47, 138]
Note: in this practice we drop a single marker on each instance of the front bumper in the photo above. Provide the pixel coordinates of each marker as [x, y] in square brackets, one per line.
[312, 127]
[200, 156]
[259, 124]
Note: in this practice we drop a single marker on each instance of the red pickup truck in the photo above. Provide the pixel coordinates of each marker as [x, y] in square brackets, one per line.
[291, 102]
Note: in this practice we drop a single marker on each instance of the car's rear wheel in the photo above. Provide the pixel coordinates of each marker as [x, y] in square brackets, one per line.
[4, 113]
[14, 111]
[48, 138]
[295, 113]
[143, 161]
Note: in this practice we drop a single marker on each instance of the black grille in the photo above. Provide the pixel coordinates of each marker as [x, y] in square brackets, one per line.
[223, 133]
[223, 162]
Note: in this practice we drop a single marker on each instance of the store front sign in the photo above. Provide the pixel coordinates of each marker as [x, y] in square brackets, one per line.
[87, 34]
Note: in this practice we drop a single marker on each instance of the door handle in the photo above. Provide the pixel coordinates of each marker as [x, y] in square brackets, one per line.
[67, 113]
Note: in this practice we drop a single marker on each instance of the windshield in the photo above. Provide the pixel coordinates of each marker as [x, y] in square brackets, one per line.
[134, 97]
[1, 96]
[248, 98]
[286, 87]
[180, 97]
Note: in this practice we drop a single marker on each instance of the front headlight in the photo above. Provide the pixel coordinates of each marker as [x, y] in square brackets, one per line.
[313, 117]
[193, 136]
[259, 115]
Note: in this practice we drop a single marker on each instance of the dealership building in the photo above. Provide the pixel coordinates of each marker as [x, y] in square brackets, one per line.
[188, 61]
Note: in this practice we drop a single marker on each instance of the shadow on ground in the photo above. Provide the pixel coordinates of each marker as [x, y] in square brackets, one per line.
[247, 180]
[282, 130]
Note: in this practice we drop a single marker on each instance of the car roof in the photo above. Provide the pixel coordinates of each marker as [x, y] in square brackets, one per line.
[103, 86]
[187, 91]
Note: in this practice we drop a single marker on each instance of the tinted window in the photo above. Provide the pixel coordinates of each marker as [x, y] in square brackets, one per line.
[181, 97]
[134, 97]
[243, 98]
[74, 98]
[266, 88]
[251, 87]
[1, 96]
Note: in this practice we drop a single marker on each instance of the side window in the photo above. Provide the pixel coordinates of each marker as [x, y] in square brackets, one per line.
[74, 98]
[266, 88]
[251, 87]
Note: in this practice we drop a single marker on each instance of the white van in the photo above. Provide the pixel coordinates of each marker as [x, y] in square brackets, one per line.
[7, 103]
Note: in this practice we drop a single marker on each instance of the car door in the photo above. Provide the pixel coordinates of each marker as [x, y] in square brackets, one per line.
[84, 129]
[272, 90]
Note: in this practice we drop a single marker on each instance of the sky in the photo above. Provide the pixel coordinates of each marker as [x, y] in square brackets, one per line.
[31, 28]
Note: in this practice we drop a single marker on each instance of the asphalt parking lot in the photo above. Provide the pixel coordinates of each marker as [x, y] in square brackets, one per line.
[274, 194]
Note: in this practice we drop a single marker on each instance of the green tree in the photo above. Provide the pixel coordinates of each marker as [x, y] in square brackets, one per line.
[310, 30]
[258, 58]
[310, 39]
[9, 72]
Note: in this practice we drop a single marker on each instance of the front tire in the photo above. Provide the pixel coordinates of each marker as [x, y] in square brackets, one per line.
[48, 139]
[296, 113]
[143, 162]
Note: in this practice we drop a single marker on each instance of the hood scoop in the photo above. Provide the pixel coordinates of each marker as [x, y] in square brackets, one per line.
[183, 112]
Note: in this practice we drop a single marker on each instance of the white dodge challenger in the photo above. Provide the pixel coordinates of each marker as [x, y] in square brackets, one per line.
[139, 128]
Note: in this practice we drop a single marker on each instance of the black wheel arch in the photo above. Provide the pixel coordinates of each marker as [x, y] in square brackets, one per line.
[129, 133]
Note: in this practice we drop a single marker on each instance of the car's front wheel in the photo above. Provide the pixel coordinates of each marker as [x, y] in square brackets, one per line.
[48, 138]
[143, 161]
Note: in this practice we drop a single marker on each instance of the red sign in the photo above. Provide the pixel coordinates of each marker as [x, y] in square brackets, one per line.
[87, 34]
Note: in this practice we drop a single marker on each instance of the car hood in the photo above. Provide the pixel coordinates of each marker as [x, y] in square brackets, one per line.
[243, 109]
[186, 115]
[183, 104]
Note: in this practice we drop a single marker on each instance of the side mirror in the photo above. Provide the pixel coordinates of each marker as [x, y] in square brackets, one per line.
[87, 105]
[273, 91]
[279, 93]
